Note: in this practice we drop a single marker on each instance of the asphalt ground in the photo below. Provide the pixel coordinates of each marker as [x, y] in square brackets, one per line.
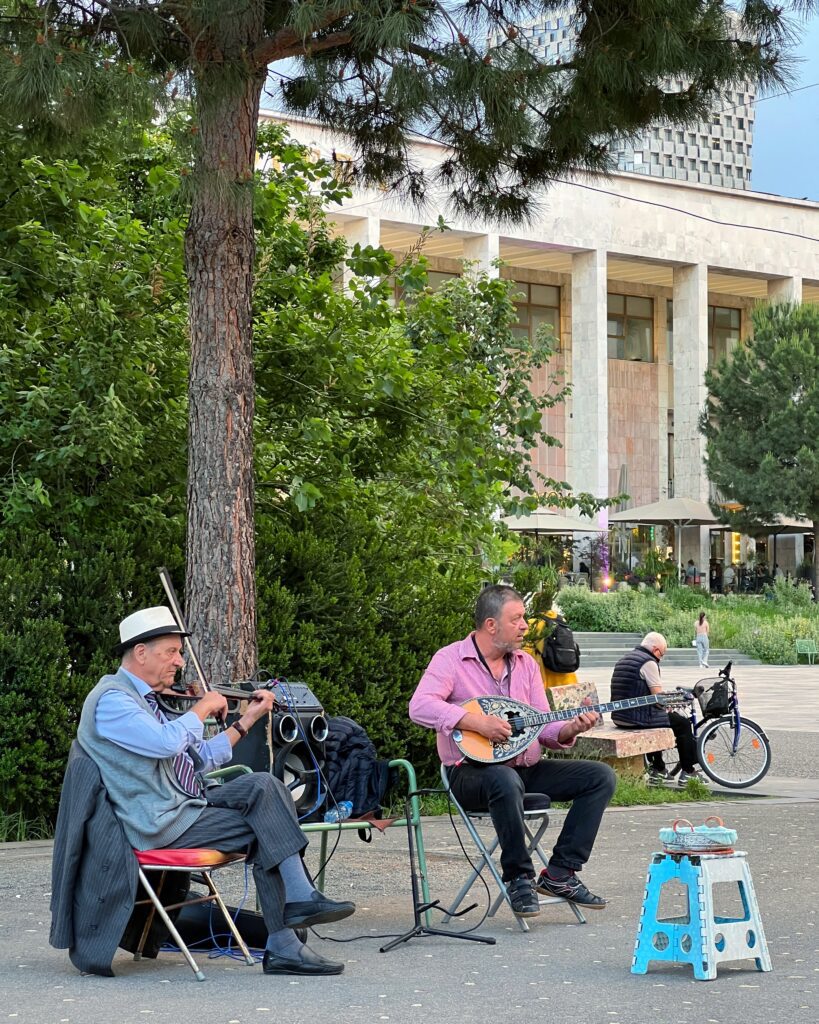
[559, 970]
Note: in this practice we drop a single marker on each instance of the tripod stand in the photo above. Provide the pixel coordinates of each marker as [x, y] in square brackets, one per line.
[420, 909]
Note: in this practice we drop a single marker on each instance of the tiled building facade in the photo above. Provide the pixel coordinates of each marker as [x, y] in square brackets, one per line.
[714, 152]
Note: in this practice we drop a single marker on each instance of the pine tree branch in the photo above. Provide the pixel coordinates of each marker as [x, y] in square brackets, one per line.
[288, 43]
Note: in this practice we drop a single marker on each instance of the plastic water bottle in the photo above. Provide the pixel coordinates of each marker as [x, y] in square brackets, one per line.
[339, 813]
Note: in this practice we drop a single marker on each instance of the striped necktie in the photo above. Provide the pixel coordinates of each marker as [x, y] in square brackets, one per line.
[182, 763]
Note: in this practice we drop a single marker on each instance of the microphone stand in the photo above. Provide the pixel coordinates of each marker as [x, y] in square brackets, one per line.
[420, 909]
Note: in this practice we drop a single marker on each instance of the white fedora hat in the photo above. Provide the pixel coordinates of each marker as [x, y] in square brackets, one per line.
[147, 624]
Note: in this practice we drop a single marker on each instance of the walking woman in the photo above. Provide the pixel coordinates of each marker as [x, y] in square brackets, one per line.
[701, 640]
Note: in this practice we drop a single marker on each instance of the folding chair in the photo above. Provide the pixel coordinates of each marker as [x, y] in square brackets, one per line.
[535, 813]
[201, 861]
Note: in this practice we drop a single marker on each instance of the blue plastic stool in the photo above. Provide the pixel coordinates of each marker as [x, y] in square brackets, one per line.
[700, 939]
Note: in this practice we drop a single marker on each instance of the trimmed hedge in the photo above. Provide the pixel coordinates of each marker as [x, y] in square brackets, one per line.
[765, 627]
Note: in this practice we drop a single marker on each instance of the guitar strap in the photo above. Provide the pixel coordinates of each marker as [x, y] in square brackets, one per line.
[507, 672]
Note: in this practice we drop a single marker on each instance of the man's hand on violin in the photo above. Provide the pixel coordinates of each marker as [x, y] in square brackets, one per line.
[210, 705]
[258, 706]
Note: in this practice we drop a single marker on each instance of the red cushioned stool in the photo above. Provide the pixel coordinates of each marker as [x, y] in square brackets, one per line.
[203, 862]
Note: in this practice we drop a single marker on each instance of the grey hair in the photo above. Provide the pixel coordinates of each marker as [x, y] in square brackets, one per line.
[491, 600]
[651, 640]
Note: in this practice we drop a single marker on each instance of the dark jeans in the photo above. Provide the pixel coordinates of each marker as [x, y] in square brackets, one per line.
[680, 725]
[253, 811]
[499, 788]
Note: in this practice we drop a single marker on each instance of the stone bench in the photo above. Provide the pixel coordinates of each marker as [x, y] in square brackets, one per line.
[623, 749]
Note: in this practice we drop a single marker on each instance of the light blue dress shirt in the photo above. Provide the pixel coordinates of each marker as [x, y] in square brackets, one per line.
[124, 722]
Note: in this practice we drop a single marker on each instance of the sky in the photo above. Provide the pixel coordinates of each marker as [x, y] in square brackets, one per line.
[786, 131]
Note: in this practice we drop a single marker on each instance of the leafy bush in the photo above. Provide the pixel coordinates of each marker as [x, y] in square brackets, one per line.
[358, 625]
[764, 629]
[689, 599]
[791, 594]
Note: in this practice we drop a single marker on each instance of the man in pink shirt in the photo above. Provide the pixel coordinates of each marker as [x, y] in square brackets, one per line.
[488, 662]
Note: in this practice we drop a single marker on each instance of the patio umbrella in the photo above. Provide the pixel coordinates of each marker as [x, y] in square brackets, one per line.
[543, 522]
[678, 512]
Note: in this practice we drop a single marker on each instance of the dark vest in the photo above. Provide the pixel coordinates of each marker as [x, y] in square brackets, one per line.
[626, 682]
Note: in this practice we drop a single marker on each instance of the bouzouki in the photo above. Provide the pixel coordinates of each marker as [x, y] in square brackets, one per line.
[526, 722]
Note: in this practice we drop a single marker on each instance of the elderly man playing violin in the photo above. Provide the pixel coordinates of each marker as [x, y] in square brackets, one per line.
[146, 761]
[490, 662]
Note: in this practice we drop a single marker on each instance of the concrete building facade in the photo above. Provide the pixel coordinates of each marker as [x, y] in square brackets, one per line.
[647, 281]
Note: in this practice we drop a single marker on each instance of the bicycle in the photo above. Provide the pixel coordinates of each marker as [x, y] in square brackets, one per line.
[733, 751]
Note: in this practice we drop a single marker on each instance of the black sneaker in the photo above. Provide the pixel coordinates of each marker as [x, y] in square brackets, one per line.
[571, 889]
[523, 896]
[654, 777]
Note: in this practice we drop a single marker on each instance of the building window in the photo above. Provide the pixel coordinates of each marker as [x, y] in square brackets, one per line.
[435, 278]
[669, 332]
[631, 328]
[723, 332]
[537, 304]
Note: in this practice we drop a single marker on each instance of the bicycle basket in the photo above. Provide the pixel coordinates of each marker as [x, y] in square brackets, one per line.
[683, 837]
[714, 697]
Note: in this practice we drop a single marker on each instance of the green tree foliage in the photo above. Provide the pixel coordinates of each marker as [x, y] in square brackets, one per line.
[463, 74]
[92, 431]
[387, 437]
[377, 70]
[761, 420]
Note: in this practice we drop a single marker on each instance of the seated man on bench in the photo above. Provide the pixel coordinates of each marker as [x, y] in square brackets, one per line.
[637, 674]
[490, 662]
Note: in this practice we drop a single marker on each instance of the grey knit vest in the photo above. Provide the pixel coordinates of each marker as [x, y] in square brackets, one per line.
[147, 798]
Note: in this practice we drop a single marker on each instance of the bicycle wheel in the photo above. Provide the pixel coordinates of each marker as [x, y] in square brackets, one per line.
[735, 769]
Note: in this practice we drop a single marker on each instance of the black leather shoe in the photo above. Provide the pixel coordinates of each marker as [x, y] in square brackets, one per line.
[318, 910]
[307, 962]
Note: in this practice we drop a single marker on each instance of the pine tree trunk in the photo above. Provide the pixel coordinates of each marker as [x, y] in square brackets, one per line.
[219, 255]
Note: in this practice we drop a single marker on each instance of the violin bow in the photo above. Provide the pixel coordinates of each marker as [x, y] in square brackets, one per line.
[176, 611]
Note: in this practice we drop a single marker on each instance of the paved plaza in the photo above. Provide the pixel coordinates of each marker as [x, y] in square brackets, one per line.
[559, 971]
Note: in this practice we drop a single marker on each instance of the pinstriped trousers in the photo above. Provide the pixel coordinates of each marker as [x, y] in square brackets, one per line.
[253, 811]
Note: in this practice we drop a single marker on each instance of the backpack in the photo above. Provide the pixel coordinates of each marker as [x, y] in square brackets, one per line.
[353, 769]
[559, 651]
[715, 700]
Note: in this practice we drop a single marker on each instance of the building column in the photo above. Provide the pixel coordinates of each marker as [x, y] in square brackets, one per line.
[484, 252]
[690, 364]
[785, 289]
[364, 231]
[588, 430]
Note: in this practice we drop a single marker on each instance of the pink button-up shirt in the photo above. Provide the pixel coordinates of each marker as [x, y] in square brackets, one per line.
[456, 674]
